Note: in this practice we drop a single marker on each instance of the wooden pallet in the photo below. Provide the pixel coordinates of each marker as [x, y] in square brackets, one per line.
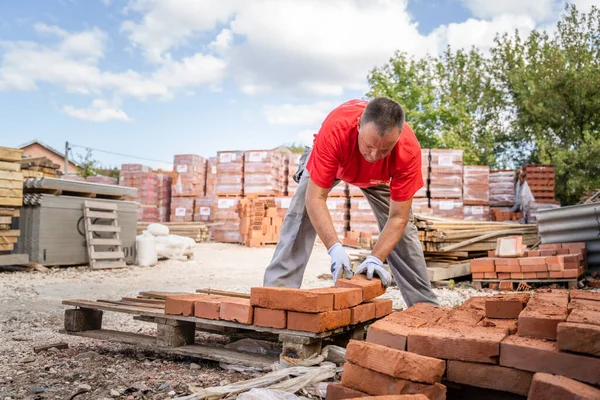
[176, 333]
[107, 251]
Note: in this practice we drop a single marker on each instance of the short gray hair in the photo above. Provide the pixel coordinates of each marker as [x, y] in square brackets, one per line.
[385, 113]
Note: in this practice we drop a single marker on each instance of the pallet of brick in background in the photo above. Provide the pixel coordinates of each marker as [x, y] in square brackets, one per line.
[188, 184]
[541, 181]
[502, 188]
[476, 193]
[259, 221]
[263, 170]
[558, 262]
[505, 343]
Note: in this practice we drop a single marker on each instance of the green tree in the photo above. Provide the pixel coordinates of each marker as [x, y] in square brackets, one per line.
[87, 165]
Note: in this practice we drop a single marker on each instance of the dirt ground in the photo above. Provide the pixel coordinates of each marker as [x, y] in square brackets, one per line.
[31, 315]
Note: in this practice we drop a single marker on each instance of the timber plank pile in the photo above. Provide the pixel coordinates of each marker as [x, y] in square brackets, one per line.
[39, 167]
[11, 196]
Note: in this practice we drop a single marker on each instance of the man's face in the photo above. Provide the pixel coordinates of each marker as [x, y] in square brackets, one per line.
[372, 146]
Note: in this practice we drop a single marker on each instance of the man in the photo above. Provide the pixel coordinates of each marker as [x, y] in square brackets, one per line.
[366, 144]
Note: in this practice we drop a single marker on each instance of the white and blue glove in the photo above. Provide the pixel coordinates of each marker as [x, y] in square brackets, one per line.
[373, 265]
[340, 262]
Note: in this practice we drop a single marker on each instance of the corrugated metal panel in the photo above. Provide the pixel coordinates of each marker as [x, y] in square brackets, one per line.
[579, 223]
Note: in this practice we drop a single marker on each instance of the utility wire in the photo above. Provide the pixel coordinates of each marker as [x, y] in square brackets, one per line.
[120, 154]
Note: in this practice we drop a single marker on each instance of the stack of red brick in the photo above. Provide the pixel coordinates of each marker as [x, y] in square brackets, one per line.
[203, 204]
[500, 214]
[230, 173]
[340, 216]
[262, 172]
[259, 222]
[425, 159]
[189, 183]
[311, 310]
[476, 192]
[551, 261]
[154, 191]
[361, 240]
[540, 179]
[224, 211]
[508, 343]
[446, 183]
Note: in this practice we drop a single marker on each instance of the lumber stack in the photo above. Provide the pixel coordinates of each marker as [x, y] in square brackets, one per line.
[194, 230]
[529, 345]
[39, 167]
[11, 196]
[259, 222]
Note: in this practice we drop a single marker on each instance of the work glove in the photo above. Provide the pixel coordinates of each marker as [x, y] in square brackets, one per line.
[373, 265]
[340, 262]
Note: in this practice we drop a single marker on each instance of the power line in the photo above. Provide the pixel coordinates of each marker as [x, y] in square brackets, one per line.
[120, 154]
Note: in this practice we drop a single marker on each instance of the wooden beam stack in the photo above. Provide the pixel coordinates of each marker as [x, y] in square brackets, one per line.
[39, 167]
[11, 195]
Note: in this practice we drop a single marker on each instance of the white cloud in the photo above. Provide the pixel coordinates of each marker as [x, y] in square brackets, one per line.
[585, 5]
[538, 10]
[307, 114]
[306, 136]
[222, 42]
[99, 111]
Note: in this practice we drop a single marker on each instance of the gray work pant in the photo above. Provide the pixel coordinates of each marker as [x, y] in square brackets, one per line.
[298, 236]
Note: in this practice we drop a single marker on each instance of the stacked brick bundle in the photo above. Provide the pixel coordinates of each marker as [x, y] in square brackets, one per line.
[476, 192]
[496, 343]
[309, 310]
[147, 184]
[358, 239]
[164, 184]
[182, 209]
[211, 177]
[292, 168]
[224, 210]
[202, 209]
[502, 188]
[551, 261]
[259, 222]
[501, 215]
[540, 179]
[262, 172]
[338, 208]
[446, 183]
[425, 161]
[188, 183]
[230, 173]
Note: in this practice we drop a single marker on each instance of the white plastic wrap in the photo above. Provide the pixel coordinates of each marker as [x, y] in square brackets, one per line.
[146, 250]
[174, 246]
[158, 229]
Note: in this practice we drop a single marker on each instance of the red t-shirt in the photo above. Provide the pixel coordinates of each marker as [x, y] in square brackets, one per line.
[335, 155]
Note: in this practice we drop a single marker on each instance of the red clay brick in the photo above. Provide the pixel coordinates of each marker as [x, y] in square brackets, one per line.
[529, 275]
[571, 273]
[396, 363]
[389, 334]
[362, 313]
[556, 274]
[478, 275]
[562, 252]
[532, 253]
[517, 275]
[576, 246]
[418, 315]
[236, 310]
[584, 317]
[457, 343]
[509, 267]
[319, 322]
[555, 267]
[491, 253]
[546, 386]
[509, 325]
[579, 338]
[208, 307]
[503, 275]
[182, 305]
[343, 297]
[507, 286]
[371, 288]
[490, 275]
[336, 391]
[537, 355]
[532, 261]
[291, 299]
[542, 275]
[585, 295]
[534, 268]
[270, 318]
[583, 304]
[509, 246]
[383, 307]
[506, 306]
[550, 246]
[558, 260]
[490, 377]
[378, 384]
[475, 304]
[547, 253]
[459, 317]
[542, 315]
[482, 265]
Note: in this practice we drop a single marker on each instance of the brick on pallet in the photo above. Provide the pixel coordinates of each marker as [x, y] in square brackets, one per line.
[371, 288]
[546, 386]
[509, 246]
[537, 355]
[488, 376]
[510, 326]
[506, 306]
[291, 299]
[383, 307]
[542, 315]
[378, 384]
[585, 295]
[268, 318]
[208, 307]
[475, 304]
[579, 338]
[579, 316]
[395, 363]
[236, 310]
[343, 297]
[459, 317]
[362, 313]
[337, 391]
[458, 343]
[182, 304]
[583, 304]
[318, 322]
[482, 265]
[507, 265]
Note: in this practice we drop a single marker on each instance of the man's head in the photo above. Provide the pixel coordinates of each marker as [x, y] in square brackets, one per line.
[379, 128]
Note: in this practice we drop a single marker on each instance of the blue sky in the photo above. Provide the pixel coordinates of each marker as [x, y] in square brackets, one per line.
[154, 78]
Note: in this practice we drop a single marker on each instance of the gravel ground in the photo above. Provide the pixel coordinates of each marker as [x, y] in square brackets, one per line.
[31, 315]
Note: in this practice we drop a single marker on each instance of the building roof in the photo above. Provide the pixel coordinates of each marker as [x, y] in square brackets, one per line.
[50, 148]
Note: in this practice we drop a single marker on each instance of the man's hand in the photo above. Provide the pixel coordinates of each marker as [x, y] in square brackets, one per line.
[340, 262]
[373, 265]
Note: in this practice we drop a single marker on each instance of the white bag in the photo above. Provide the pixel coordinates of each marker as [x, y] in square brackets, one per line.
[146, 250]
[158, 229]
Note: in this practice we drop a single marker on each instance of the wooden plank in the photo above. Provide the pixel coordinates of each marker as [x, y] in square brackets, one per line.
[8, 166]
[214, 353]
[223, 293]
[14, 259]
[142, 300]
[11, 233]
[104, 228]
[108, 264]
[8, 239]
[11, 184]
[7, 247]
[100, 214]
[5, 220]
[105, 242]
[11, 175]
[7, 211]
[96, 205]
[14, 193]
[10, 154]
[11, 201]
[161, 295]
[107, 255]
[134, 303]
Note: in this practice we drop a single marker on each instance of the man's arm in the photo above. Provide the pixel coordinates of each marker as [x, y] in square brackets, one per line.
[316, 205]
[394, 228]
